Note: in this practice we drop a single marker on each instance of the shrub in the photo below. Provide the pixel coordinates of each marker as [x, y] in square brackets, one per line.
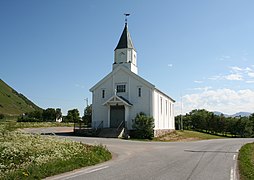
[143, 126]
[1, 116]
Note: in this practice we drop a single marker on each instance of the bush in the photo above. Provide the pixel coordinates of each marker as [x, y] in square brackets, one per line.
[1, 116]
[143, 126]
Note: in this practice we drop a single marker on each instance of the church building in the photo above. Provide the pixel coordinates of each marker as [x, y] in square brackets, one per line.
[122, 94]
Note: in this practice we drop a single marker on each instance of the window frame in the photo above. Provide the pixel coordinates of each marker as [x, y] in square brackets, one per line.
[121, 88]
[139, 91]
[103, 93]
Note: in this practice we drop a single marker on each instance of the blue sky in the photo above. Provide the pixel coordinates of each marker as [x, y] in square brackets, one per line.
[200, 53]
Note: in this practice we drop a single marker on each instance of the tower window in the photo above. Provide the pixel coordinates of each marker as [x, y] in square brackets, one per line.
[103, 93]
[121, 88]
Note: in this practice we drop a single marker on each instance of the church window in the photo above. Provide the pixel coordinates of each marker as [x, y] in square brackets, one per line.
[161, 105]
[170, 109]
[121, 88]
[103, 93]
[166, 107]
[139, 91]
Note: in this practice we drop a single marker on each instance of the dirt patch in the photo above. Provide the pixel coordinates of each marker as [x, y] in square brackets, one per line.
[176, 136]
[179, 139]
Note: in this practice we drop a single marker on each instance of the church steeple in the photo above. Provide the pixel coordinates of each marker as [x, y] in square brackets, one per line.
[125, 39]
[125, 53]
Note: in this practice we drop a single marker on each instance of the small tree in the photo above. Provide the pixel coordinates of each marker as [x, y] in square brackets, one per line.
[49, 115]
[72, 116]
[143, 126]
[87, 118]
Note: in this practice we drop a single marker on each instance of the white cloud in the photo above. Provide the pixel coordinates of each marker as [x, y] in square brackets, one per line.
[199, 82]
[217, 77]
[224, 58]
[79, 86]
[248, 69]
[170, 65]
[249, 82]
[251, 74]
[234, 77]
[202, 88]
[235, 68]
[236, 74]
[224, 100]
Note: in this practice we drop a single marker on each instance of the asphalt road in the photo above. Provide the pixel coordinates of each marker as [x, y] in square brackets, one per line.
[200, 160]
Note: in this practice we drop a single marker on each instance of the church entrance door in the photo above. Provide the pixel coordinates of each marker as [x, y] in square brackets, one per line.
[117, 115]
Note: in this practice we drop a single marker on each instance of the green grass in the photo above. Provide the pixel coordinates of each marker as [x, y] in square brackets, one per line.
[13, 125]
[186, 136]
[27, 156]
[14, 103]
[246, 162]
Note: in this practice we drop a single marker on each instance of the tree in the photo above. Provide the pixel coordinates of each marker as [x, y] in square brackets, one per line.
[251, 118]
[58, 113]
[143, 126]
[199, 118]
[49, 115]
[244, 128]
[87, 118]
[72, 116]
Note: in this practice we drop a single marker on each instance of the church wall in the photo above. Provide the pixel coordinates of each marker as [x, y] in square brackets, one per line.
[100, 112]
[163, 112]
[140, 104]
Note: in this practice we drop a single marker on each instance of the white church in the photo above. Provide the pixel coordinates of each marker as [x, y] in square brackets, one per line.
[122, 94]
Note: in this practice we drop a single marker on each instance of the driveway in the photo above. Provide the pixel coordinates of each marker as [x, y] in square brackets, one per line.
[208, 159]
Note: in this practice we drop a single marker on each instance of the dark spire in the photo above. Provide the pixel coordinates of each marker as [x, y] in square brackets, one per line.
[125, 39]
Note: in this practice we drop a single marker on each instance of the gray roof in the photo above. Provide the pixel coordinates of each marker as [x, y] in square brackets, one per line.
[127, 101]
[125, 39]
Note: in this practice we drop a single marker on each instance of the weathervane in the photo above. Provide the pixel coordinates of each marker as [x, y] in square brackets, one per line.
[126, 15]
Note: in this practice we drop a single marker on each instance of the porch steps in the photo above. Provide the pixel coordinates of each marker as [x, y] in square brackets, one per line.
[110, 132]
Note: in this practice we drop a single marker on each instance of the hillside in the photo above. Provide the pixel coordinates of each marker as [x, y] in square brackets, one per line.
[14, 103]
[242, 114]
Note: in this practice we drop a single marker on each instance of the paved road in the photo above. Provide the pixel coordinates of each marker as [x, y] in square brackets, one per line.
[200, 160]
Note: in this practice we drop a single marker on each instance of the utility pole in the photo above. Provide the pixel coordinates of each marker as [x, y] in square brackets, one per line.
[181, 112]
[86, 102]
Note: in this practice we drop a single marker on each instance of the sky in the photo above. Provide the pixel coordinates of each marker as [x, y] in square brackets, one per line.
[199, 52]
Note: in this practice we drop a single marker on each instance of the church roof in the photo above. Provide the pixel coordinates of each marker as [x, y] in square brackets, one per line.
[135, 76]
[126, 70]
[125, 39]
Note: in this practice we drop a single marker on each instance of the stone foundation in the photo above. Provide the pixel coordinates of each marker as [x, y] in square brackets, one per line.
[161, 132]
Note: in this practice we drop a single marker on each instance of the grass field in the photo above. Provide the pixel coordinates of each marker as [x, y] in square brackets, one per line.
[246, 162]
[186, 136]
[12, 102]
[26, 156]
[13, 125]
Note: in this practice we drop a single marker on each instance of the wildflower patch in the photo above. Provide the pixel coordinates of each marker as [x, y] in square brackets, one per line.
[28, 156]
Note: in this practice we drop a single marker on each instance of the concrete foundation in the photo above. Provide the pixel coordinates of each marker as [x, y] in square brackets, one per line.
[161, 132]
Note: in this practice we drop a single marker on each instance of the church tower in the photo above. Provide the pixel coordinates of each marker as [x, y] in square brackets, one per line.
[125, 53]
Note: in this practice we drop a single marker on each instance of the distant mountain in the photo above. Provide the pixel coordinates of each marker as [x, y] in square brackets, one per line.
[14, 103]
[241, 114]
[233, 115]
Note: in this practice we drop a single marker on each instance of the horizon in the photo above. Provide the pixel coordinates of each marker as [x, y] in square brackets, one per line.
[199, 53]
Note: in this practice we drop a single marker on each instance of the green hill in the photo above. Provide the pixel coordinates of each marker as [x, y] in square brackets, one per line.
[13, 103]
